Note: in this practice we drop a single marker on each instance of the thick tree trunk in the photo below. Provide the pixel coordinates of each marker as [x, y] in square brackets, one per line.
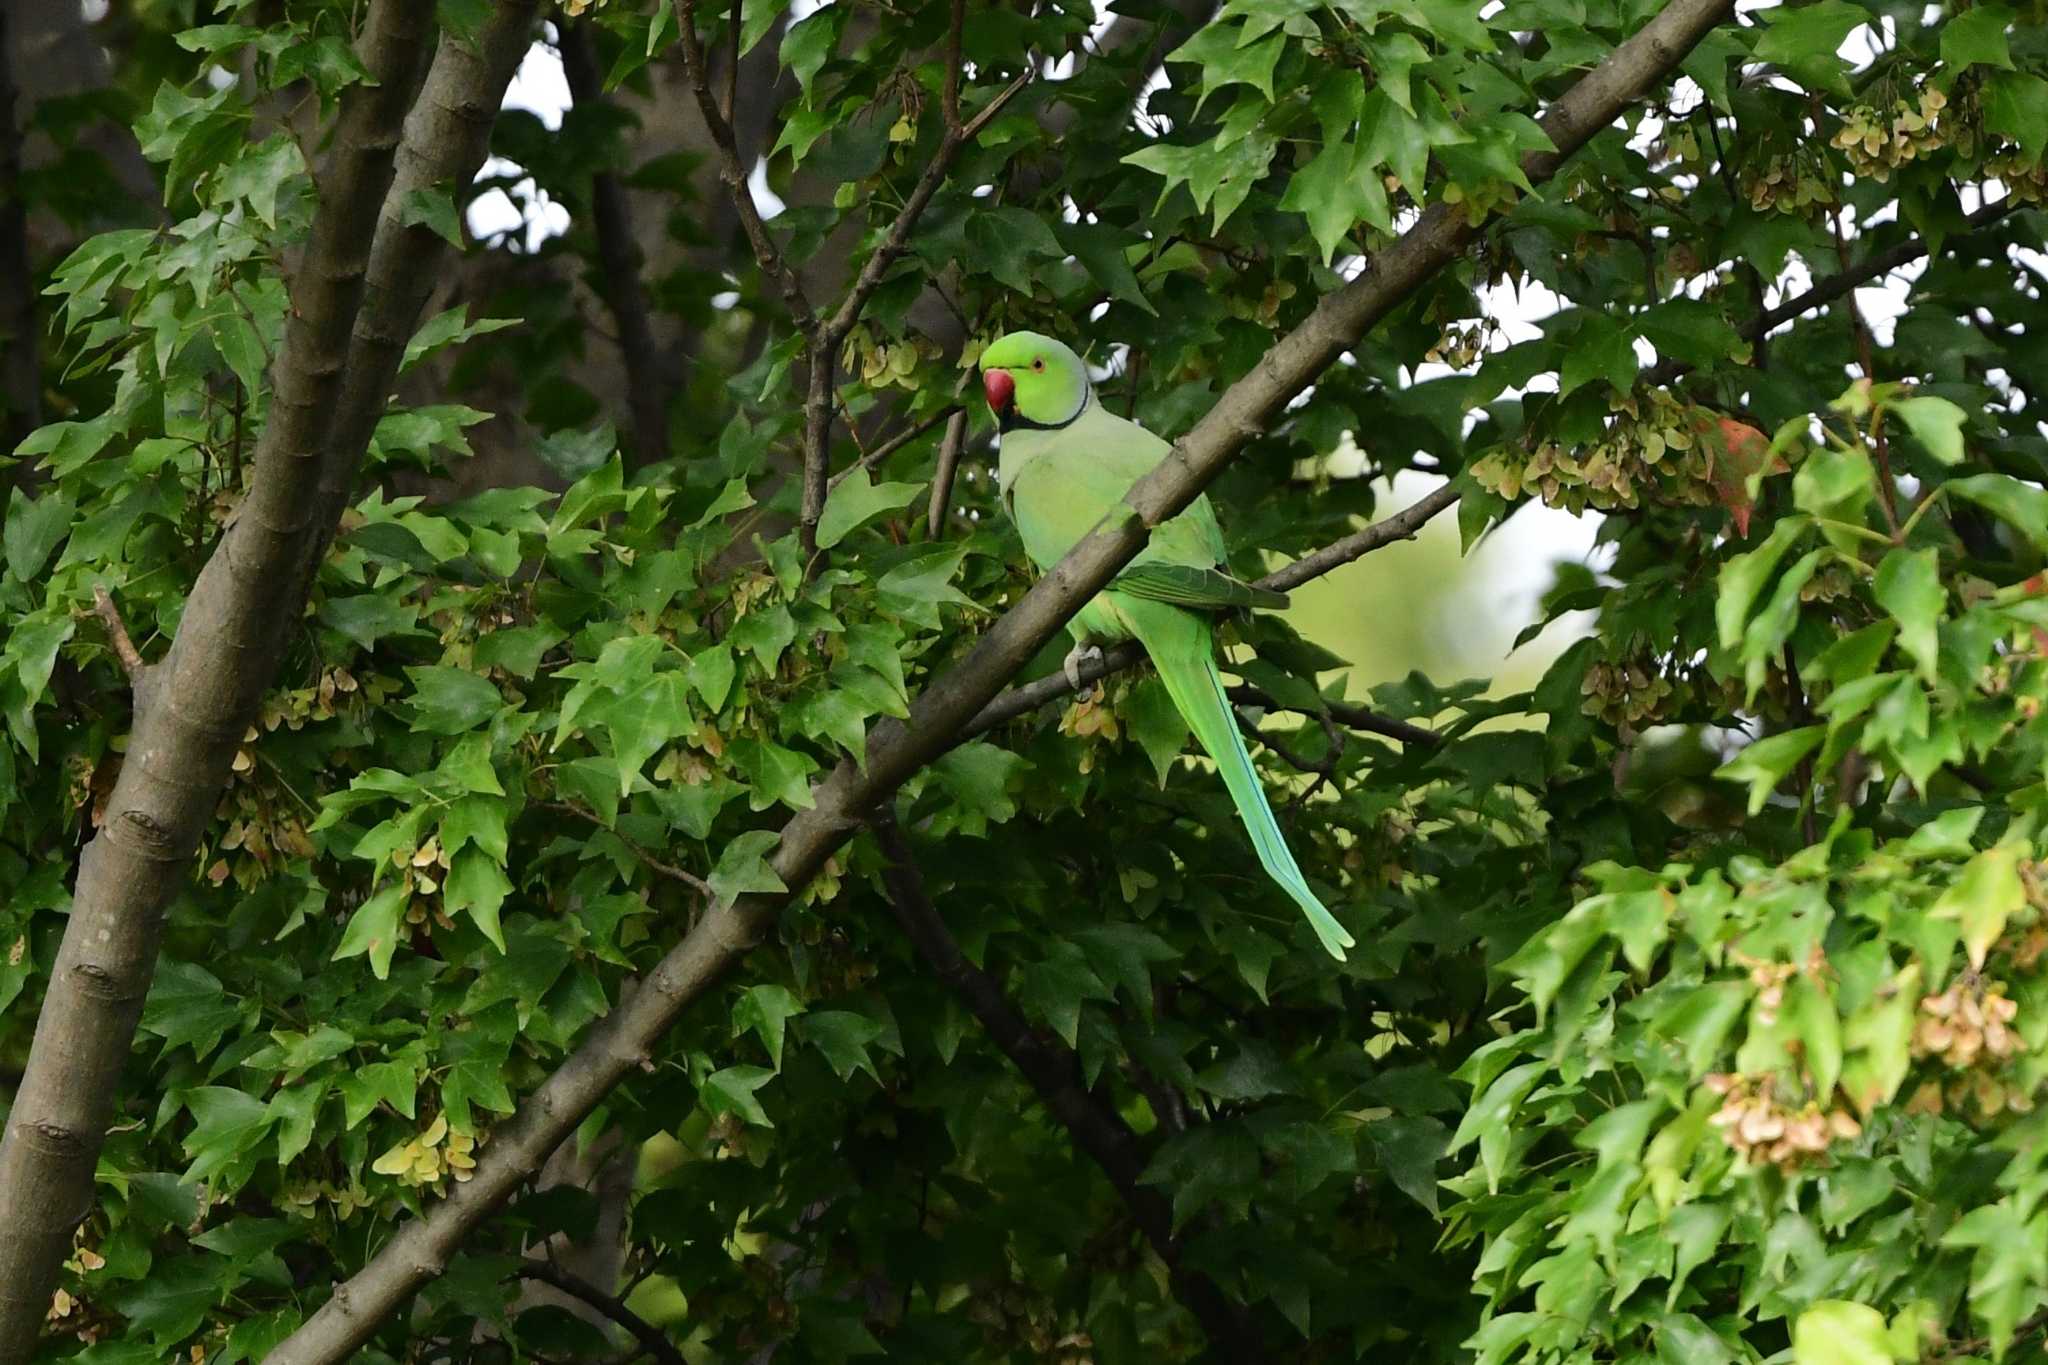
[192, 709]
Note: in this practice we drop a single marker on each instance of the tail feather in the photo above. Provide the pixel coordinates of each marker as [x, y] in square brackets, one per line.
[1182, 650]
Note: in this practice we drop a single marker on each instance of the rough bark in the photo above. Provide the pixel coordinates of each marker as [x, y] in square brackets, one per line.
[895, 750]
[192, 709]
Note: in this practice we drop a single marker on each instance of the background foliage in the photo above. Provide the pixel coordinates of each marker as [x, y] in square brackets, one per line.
[1697, 1013]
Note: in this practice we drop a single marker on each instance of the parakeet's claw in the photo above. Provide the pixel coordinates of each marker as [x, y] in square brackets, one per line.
[1078, 655]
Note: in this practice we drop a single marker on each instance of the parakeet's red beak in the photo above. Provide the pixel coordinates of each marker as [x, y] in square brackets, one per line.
[1000, 388]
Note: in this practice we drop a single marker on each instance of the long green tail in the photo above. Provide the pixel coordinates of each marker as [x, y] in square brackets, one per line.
[1184, 653]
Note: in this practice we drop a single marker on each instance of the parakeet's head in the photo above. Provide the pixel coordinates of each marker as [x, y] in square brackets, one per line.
[1033, 381]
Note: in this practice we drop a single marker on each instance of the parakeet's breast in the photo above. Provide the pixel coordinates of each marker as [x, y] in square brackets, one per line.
[1018, 449]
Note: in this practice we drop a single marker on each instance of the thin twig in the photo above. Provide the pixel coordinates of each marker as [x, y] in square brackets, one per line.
[950, 448]
[895, 443]
[132, 662]
[1251, 731]
[1347, 714]
[653, 1341]
[822, 338]
[892, 244]
[1054, 1072]
[1401, 526]
[654, 864]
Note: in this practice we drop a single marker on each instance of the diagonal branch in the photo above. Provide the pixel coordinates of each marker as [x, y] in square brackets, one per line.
[873, 459]
[898, 749]
[951, 142]
[618, 263]
[1401, 526]
[653, 1341]
[1834, 286]
[1054, 1073]
[231, 635]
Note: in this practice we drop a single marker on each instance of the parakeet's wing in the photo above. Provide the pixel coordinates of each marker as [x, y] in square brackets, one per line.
[1187, 585]
[1070, 479]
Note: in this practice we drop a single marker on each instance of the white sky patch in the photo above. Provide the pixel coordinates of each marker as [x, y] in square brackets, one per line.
[524, 210]
[765, 198]
[540, 88]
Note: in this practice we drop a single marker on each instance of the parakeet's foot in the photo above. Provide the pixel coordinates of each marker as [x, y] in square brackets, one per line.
[1078, 655]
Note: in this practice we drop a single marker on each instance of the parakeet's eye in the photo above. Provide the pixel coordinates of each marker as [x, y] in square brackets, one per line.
[1038, 364]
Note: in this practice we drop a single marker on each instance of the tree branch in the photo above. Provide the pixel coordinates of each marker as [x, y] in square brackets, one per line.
[950, 449]
[1350, 716]
[1054, 1073]
[825, 345]
[446, 137]
[652, 1339]
[951, 142]
[619, 261]
[949, 96]
[897, 749]
[822, 338]
[132, 662]
[1401, 526]
[874, 458]
[735, 21]
[735, 175]
[1833, 287]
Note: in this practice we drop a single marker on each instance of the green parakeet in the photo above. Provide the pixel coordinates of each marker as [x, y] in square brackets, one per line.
[1066, 461]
